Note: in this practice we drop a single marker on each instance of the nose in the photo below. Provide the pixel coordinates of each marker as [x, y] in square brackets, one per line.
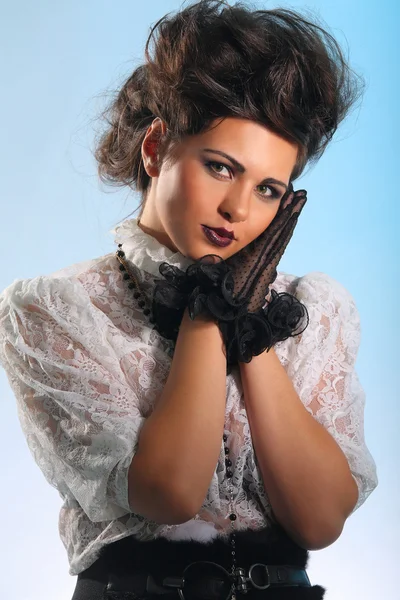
[236, 203]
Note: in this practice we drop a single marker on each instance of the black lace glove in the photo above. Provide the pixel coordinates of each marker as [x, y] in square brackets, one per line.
[233, 292]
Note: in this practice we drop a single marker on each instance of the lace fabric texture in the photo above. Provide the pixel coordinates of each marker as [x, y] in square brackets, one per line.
[86, 369]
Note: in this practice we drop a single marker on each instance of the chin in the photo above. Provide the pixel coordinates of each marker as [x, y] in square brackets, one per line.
[199, 254]
[195, 251]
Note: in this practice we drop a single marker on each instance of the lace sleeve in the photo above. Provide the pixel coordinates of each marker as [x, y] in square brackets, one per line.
[324, 372]
[79, 415]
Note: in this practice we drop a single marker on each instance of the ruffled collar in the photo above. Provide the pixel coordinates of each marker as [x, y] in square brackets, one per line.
[145, 251]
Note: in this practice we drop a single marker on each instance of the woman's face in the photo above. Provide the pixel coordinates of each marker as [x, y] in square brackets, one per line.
[202, 187]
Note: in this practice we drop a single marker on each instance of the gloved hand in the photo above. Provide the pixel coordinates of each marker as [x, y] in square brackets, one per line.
[233, 292]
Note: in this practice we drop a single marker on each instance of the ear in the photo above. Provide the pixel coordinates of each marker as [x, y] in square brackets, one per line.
[151, 147]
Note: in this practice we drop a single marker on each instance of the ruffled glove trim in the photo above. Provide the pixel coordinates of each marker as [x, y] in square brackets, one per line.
[206, 288]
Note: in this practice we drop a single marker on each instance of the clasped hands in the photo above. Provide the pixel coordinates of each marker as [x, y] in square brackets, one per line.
[233, 292]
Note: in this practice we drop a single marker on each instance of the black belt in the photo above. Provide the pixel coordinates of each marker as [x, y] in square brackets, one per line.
[210, 580]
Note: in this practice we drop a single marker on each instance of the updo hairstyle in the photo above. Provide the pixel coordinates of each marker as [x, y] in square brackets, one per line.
[211, 60]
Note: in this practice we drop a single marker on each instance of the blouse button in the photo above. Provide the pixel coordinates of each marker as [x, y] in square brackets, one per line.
[232, 517]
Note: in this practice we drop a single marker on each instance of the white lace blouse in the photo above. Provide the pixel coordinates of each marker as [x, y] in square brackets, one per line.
[86, 368]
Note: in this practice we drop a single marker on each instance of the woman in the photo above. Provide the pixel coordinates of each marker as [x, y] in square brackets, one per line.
[130, 368]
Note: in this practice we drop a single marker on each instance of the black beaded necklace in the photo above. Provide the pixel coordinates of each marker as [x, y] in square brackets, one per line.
[143, 304]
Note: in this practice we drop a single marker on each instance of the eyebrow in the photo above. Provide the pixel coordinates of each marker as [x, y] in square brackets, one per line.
[242, 169]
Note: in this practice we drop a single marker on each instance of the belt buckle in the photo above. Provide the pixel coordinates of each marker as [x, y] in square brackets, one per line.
[239, 579]
[179, 583]
[241, 583]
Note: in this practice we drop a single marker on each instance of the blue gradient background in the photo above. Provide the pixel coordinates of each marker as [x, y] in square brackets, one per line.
[57, 60]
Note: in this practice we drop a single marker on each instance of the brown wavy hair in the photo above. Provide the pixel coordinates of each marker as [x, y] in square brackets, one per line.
[211, 60]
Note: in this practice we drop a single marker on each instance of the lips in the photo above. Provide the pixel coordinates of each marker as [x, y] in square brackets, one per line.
[224, 233]
[215, 238]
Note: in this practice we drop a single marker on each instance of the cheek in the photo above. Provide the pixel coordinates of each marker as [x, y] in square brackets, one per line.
[181, 197]
[170, 193]
[260, 223]
[194, 187]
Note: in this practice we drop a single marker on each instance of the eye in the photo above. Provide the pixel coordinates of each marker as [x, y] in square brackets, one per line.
[275, 193]
[213, 166]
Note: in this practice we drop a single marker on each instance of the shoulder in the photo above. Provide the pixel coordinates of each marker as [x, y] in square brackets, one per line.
[332, 311]
[63, 296]
[72, 277]
[84, 304]
[318, 291]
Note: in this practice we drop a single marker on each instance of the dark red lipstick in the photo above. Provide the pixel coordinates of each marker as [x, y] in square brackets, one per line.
[222, 232]
[218, 236]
